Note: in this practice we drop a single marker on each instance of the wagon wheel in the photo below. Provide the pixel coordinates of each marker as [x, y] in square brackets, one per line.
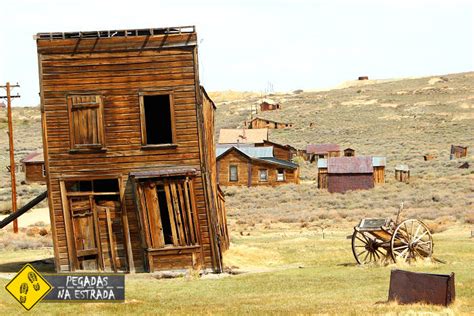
[367, 249]
[411, 240]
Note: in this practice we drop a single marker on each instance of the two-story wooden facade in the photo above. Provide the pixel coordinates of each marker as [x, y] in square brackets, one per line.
[129, 151]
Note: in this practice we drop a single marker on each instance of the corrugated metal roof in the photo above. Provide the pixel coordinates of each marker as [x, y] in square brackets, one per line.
[360, 164]
[253, 152]
[379, 161]
[33, 157]
[322, 163]
[321, 148]
[280, 162]
[402, 168]
[242, 135]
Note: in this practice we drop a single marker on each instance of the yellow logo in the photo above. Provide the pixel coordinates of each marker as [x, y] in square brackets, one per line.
[28, 287]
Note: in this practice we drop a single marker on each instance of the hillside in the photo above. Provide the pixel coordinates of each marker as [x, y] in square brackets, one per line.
[399, 119]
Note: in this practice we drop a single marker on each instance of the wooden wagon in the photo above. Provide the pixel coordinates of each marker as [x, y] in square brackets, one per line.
[383, 240]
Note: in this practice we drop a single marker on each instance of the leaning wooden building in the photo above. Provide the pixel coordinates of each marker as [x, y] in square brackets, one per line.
[129, 151]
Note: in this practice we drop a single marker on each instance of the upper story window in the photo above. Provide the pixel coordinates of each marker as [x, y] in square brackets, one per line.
[86, 126]
[157, 120]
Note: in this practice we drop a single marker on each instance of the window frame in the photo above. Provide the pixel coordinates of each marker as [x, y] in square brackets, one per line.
[236, 173]
[283, 173]
[43, 170]
[260, 175]
[74, 148]
[170, 94]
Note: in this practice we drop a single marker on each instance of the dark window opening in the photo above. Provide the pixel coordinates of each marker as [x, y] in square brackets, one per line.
[158, 118]
[106, 185]
[165, 215]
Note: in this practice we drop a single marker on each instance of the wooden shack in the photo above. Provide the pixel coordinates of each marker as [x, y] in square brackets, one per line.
[322, 173]
[33, 167]
[254, 166]
[349, 152]
[349, 173]
[259, 122]
[129, 151]
[283, 152]
[458, 151]
[268, 105]
[379, 169]
[402, 173]
[240, 136]
[322, 151]
[429, 157]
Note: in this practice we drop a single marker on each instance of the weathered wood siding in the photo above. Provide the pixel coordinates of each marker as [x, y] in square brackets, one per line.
[340, 182]
[118, 69]
[34, 172]
[262, 123]
[242, 164]
[379, 174]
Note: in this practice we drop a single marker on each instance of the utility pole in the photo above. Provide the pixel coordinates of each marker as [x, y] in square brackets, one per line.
[9, 97]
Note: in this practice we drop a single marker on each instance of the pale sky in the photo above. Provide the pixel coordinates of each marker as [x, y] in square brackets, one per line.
[244, 45]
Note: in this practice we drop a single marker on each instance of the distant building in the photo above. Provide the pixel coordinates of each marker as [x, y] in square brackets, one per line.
[253, 166]
[269, 105]
[322, 151]
[322, 173]
[349, 152]
[34, 168]
[242, 136]
[458, 151]
[2, 105]
[259, 122]
[349, 173]
[379, 169]
[402, 173]
[283, 152]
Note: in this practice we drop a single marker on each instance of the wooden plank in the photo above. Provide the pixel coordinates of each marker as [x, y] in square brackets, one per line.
[184, 214]
[177, 214]
[100, 256]
[111, 239]
[171, 213]
[71, 246]
[189, 212]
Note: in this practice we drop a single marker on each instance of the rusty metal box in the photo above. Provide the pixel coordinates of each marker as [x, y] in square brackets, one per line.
[412, 287]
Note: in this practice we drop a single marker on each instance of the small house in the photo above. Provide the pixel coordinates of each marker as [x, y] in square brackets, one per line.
[283, 152]
[33, 167]
[402, 173]
[349, 152]
[128, 138]
[379, 169]
[254, 166]
[3, 105]
[458, 151]
[269, 105]
[350, 173]
[325, 151]
[429, 157]
[322, 173]
[242, 136]
[259, 122]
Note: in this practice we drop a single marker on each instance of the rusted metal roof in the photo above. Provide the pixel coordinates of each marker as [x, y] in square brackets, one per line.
[322, 148]
[360, 164]
[33, 157]
[242, 135]
[379, 161]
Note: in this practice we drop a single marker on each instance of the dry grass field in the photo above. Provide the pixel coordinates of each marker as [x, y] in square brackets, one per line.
[289, 252]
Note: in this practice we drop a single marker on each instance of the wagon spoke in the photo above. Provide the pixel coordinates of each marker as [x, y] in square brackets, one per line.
[421, 236]
[364, 241]
[359, 254]
[366, 256]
